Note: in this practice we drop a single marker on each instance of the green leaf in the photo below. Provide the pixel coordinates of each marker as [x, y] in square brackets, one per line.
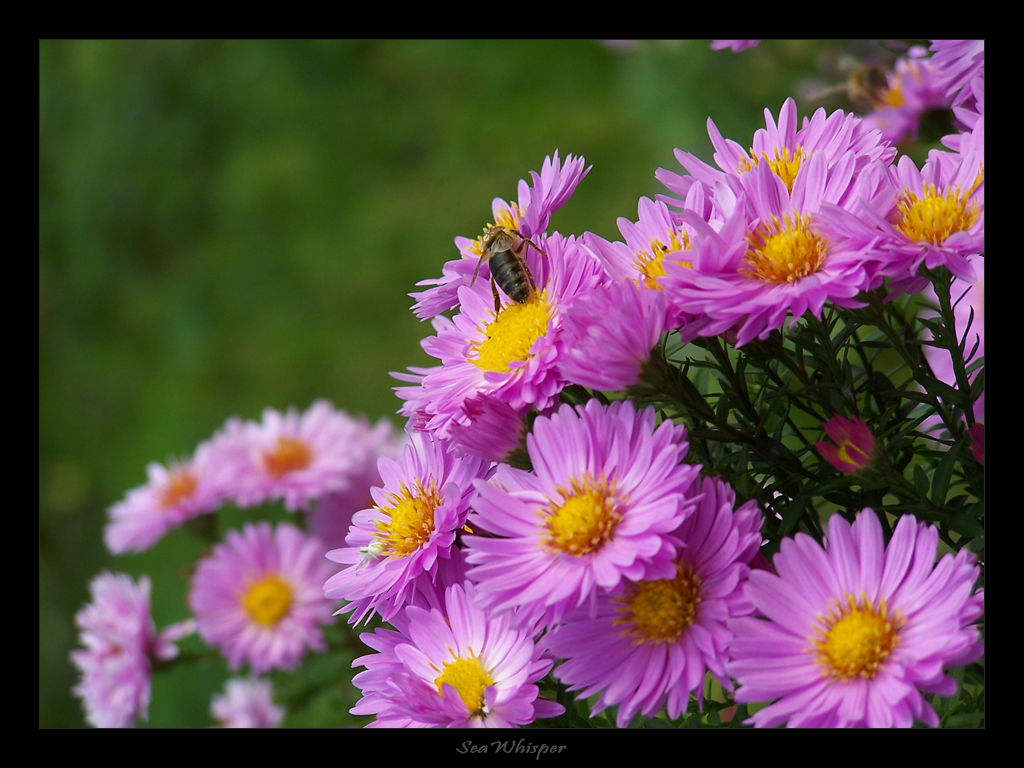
[940, 480]
[920, 481]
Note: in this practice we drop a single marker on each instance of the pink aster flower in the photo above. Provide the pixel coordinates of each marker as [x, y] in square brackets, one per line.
[512, 354]
[400, 541]
[853, 632]
[658, 238]
[651, 642]
[932, 217]
[912, 90]
[854, 446]
[733, 45]
[259, 599]
[121, 645]
[845, 142]
[606, 492]
[774, 257]
[295, 457]
[452, 667]
[173, 495]
[610, 333]
[530, 215]
[246, 704]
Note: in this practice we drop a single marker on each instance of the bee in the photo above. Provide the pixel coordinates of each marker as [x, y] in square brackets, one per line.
[865, 87]
[508, 267]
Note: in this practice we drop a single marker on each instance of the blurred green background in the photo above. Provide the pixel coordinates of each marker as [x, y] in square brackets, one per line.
[226, 227]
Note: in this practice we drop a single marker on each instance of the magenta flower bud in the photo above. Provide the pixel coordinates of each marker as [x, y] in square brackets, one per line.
[854, 448]
[977, 437]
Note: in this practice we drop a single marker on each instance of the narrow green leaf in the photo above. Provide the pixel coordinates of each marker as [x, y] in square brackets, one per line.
[920, 481]
[940, 480]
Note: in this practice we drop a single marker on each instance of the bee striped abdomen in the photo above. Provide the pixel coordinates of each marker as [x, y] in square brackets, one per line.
[509, 272]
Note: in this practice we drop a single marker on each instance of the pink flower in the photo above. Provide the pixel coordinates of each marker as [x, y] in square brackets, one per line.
[297, 458]
[258, 597]
[913, 90]
[398, 543]
[530, 216]
[246, 704]
[511, 354]
[850, 634]
[733, 45]
[452, 666]
[606, 492]
[121, 645]
[610, 333]
[173, 495]
[650, 643]
[854, 444]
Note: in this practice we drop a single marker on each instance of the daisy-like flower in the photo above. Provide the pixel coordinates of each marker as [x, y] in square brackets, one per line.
[259, 598]
[121, 645]
[295, 457]
[785, 148]
[453, 668]
[912, 90]
[854, 445]
[774, 256]
[512, 354]
[932, 217]
[651, 642]
[610, 333]
[173, 495]
[400, 541]
[246, 703]
[530, 216]
[606, 492]
[850, 635]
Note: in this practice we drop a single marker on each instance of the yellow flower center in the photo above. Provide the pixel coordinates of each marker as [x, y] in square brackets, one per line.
[651, 264]
[935, 216]
[584, 520]
[268, 600]
[784, 165]
[289, 455]
[659, 611]
[891, 97]
[510, 336]
[181, 484]
[784, 252]
[469, 678]
[410, 519]
[856, 638]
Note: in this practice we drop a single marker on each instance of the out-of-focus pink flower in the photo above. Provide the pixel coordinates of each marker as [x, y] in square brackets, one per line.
[121, 644]
[246, 704]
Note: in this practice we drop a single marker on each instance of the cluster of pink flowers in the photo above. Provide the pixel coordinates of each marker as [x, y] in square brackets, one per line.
[315, 456]
[257, 596]
[632, 573]
[524, 526]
